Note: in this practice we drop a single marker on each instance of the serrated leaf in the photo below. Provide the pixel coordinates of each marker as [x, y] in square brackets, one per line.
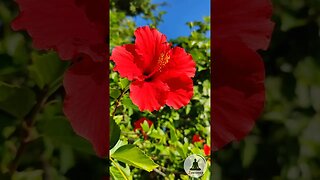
[132, 155]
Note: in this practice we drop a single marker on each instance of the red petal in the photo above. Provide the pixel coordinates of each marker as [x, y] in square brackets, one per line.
[181, 62]
[180, 89]
[149, 44]
[124, 58]
[206, 150]
[247, 20]
[86, 103]
[238, 92]
[97, 12]
[63, 26]
[196, 138]
[148, 95]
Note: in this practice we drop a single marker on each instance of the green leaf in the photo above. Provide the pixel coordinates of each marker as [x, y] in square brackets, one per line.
[114, 133]
[124, 83]
[46, 68]
[16, 101]
[249, 151]
[206, 175]
[145, 126]
[16, 48]
[126, 101]
[173, 135]
[180, 149]
[117, 175]
[132, 155]
[60, 131]
[67, 158]
[115, 147]
[115, 93]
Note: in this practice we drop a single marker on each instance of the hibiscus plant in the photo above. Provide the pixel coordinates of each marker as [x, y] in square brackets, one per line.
[152, 122]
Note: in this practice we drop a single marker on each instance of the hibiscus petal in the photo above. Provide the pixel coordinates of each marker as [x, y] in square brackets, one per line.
[149, 44]
[238, 92]
[86, 103]
[180, 89]
[124, 58]
[97, 12]
[247, 20]
[181, 62]
[206, 150]
[63, 26]
[148, 95]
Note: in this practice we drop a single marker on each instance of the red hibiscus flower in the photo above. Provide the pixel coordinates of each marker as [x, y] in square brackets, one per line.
[137, 126]
[197, 138]
[206, 150]
[240, 27]
[160, 74]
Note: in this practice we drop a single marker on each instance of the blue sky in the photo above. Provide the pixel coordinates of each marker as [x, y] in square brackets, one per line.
[178, 13]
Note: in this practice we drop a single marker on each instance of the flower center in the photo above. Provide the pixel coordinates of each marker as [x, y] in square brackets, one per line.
[163, 60]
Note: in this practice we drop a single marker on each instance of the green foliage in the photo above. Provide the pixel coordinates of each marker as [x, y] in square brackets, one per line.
[132, 155]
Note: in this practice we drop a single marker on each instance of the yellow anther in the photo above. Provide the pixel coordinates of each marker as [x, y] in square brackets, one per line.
[163, 60]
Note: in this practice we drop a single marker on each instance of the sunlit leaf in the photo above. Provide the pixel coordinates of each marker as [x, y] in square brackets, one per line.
[132, 155]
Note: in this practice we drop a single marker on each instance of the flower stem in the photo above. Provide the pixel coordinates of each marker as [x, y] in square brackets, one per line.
[117, 103]
[29, 121]
[27, 127]
[119, 169]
